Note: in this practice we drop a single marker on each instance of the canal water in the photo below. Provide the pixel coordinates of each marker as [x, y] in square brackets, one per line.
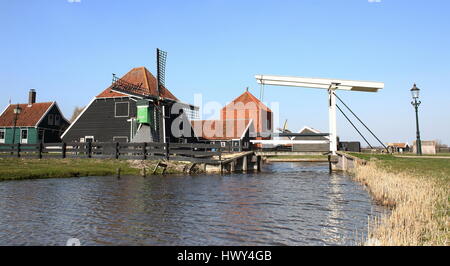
[286, 204]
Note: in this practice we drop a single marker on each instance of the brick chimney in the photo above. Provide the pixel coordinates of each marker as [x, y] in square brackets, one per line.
[32, 97]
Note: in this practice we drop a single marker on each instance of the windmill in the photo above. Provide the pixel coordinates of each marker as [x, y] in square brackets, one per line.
[161, 58]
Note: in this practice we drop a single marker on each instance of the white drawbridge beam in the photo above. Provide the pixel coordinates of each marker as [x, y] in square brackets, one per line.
[331, 85]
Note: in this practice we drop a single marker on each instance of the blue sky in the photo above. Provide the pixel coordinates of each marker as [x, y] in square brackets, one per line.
[67, 51]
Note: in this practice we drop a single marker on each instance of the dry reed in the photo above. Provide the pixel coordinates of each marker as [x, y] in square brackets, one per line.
[419, 204]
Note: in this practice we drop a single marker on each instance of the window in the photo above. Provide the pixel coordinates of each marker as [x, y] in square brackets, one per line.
[2, 136]
[223, 144]
[51, 120]
[122, 109]
[24, 136]
[57, 120]
[89, 139]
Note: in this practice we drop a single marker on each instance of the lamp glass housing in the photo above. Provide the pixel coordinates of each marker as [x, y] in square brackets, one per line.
[415, 92]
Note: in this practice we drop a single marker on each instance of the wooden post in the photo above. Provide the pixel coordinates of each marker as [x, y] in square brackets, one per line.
[41, 147]
[18, 150]
[118, 172]
[258, 163]
[64, 150]
[144, 172]
[167, 151]
[329, 164]
[116, 150]
[144, 151]
[89, 149]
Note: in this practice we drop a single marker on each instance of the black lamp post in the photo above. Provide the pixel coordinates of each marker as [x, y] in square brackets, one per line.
[17, 111]
[416, 103]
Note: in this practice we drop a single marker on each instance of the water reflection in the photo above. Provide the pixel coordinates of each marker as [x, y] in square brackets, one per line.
[286, 204]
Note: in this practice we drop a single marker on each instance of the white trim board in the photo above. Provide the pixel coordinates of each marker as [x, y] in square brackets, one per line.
[5, 109]
[320, 83]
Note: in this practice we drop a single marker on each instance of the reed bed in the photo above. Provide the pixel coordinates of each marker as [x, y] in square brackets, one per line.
[420, 207]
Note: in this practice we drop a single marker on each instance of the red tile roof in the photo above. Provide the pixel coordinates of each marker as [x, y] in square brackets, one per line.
[139, 76]
[242, 102]
[221, 129]
[28, 117]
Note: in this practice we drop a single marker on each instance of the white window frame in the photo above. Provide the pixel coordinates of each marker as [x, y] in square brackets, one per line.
[89, 137]
[51, 120]
[22, 140]
[2, 140]
[115, 109]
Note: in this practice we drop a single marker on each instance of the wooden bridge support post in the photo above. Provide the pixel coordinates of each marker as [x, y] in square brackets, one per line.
[258, 163]
[245, 163]
[233, 166]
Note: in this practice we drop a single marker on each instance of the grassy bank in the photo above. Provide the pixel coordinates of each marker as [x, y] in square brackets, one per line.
[16, 169]
[418, 192]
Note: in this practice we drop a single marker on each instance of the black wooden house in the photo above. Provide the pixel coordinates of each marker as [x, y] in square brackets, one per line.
[135, 108]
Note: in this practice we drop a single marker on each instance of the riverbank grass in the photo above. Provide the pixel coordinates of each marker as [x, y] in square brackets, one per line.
[17, 169]
[417, 189]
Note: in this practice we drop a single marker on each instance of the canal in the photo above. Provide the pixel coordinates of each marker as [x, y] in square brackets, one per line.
[285, 204]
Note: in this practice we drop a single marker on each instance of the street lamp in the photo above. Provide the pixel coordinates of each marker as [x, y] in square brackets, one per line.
[416, 103]
[17, 112]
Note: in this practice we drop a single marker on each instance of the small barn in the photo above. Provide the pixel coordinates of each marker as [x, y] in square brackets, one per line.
[398, 147]
[246, 106]
[32, 122]
[234, 135]
[323, 147]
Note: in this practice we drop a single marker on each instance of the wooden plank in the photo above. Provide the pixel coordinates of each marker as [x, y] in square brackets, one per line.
[198, 153]
[128, 157]
[103, 156]
[130, 151]
[29, 145]
[192, 159]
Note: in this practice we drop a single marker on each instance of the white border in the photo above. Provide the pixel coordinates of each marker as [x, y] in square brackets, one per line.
[115, 110]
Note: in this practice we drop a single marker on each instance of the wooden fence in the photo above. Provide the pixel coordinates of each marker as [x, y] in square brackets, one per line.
[194, 152]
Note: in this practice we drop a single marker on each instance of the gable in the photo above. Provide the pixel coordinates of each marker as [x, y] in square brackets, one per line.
[246, 101]
[140, 78]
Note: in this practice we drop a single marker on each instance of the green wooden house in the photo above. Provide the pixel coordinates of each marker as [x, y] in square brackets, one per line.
[32, 123]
